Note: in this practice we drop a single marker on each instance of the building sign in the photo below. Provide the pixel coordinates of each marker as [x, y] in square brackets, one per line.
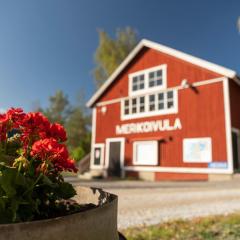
[197, 150]
[149, 126]
[218, 165]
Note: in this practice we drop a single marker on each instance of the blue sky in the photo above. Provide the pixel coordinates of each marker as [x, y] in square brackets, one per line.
[49, 44]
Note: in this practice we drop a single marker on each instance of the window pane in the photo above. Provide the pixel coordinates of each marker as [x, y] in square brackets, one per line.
[159, 82]
[152, 107]
[151, 98]
[134, 87]
[126, 103]
[161, 106]
[134, 101]
[135, 79]
[126, 111]
[160, 96]
[151, 75]
[141, 86]
[142, 77]
[170, 94]
[142, 99]
[170, 104]
[151, 83]
[159, 73]
[142, 108]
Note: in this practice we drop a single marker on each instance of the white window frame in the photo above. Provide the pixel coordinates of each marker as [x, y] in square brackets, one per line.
[146, 72]
[209, 139]
[101, 146]
[147, 112]
[135, 145]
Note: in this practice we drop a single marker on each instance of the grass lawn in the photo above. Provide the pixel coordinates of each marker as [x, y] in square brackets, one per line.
[211, 228]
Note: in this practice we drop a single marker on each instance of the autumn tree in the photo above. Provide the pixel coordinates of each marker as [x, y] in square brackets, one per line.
[112, 51]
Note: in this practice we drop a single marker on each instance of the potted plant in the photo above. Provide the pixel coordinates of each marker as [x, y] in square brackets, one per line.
[35, 201]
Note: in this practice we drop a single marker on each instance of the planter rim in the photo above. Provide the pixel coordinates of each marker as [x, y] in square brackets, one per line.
[112, 198]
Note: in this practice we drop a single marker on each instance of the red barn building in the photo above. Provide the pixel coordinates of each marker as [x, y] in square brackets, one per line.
[166, 115]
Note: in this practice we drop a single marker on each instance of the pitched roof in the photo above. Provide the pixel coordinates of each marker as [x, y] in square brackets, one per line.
[170, 51]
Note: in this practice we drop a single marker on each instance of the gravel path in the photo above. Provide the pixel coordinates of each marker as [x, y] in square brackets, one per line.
[146, 203]
[152, 206]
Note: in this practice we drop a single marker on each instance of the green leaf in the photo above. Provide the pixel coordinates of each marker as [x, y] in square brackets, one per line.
[66, 190]
[46, 181]
[8, 181]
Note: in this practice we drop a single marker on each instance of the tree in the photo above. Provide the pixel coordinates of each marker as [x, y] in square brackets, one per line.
[75, 119]
[111, 52]
[77, 127]
[58, 109]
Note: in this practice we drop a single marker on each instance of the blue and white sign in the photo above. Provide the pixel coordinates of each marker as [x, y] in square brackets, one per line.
[197, 150]
[218, 165]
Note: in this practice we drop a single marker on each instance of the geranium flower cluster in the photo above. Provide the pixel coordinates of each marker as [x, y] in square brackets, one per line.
[41, 140]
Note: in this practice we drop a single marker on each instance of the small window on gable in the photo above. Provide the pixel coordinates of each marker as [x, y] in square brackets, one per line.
[155, 78]
[138, 82]
[147, 80]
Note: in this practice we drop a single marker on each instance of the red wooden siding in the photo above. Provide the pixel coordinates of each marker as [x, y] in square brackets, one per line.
[177, 70]
[201, 115]
[180, 176]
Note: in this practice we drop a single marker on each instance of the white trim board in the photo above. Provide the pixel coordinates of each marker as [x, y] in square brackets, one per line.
[94, 116]
[227, 110]
[164, 49]
[196, 84]
[177, 170]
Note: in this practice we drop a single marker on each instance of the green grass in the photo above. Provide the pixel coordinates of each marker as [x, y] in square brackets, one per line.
[210, 228]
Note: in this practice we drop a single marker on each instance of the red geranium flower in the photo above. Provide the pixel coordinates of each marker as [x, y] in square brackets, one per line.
[16, 116]
[57, 153]
[58, 132]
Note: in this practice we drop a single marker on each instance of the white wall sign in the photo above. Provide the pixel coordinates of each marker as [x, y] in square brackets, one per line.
[149, 126]
[145, 153]
[197, 150]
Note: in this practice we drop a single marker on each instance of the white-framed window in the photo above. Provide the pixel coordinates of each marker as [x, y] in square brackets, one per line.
[197, 150]
[98, 155]
[145, 153]
[164, 102]
[148, 79]
[138, 82]
[155, 78]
